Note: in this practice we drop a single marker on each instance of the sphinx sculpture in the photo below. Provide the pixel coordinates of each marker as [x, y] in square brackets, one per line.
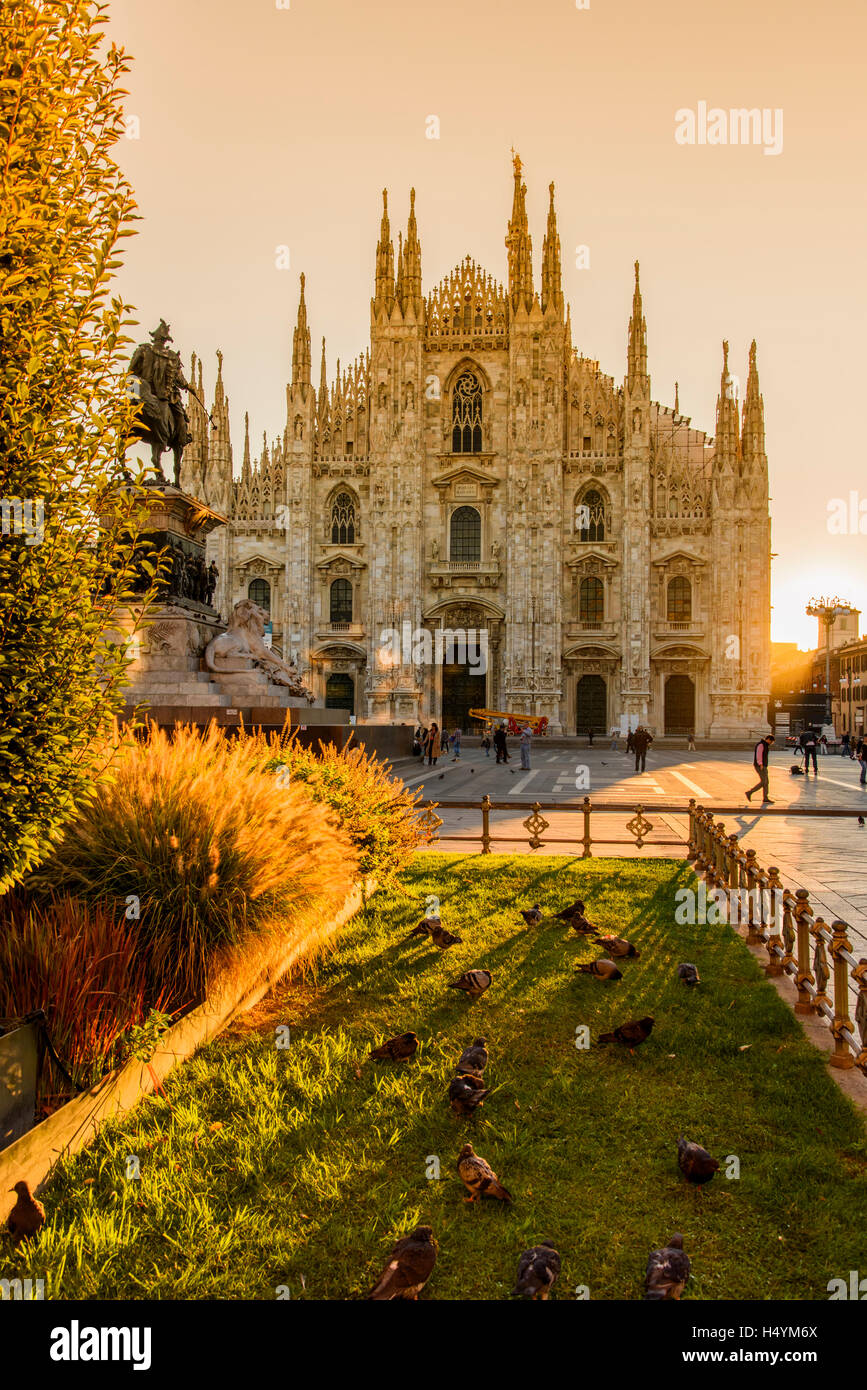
[241, 648]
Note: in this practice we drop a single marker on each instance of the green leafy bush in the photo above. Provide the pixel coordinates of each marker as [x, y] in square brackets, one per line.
[64, 415]
[377, 813]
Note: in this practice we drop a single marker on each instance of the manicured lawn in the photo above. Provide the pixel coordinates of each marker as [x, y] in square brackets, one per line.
[300, 1166]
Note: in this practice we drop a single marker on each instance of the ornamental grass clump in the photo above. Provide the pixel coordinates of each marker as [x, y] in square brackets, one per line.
[78, 963]
[204, 851]
[377, 812]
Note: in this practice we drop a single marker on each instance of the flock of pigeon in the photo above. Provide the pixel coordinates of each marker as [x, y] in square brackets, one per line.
[412, 1260]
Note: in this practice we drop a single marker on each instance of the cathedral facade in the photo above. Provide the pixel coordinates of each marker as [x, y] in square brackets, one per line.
[473, 472]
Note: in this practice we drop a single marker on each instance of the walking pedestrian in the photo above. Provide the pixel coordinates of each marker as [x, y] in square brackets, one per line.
[845, 751]
[808, 744]
[456, 745]
[589, 738]
[823, 745]
[630, 741]
[761, 753]
[615, 734]
[500, 744]
[486, 743]
[861, 755]
[432, 744]
[690, 742]
[526, 744]
[641, 741]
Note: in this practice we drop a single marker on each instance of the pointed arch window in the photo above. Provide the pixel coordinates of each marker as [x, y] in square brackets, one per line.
[467, 415]
[465, 535]
[343, 519]
[590, 516]
[341, 601]
[679, 605]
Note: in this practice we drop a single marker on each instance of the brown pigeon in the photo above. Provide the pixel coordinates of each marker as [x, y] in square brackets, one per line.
[575, 909]
[479, 1178]
[602, 970]
[537, 1271]
[424, 927]
[403, 1045]
[533, 915]
[409, 1267]
[467, 1092]
[688, 973]
[473, 982]
[617, 948]
[26, 1216]
[696, 1164]
[474, 1058]
[667, 1271]
[631, 1034]
[444, 939]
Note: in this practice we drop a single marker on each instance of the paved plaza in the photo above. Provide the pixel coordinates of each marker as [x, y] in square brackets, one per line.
[823, 855]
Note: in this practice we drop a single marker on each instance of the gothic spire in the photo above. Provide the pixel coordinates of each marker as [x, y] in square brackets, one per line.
[552, 279]
[400, 286]
[727, 436]
[636, 368]
[245, 466]
[520, 246]
[301, 345]
[753, 436]
[384, 297]
[412, 259]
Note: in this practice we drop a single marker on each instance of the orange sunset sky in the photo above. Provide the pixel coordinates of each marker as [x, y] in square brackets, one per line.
[261, 126]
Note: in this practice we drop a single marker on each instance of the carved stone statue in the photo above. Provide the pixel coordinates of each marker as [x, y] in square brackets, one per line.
[241, 648]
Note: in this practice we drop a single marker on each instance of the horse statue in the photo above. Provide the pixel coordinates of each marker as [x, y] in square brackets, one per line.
[241, 648]
[156, 380]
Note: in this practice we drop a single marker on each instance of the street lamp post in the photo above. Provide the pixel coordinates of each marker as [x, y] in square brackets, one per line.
[828, 610]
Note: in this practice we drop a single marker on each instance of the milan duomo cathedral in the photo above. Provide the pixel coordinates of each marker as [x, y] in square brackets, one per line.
[474, 471]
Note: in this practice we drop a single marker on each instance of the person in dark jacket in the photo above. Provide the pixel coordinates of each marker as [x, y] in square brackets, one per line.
[761, 754]
[630, 741]
[500, 746]
[809, 740]
[641, 741]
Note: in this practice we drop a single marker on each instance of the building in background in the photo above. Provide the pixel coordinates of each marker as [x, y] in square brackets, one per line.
[473, 471]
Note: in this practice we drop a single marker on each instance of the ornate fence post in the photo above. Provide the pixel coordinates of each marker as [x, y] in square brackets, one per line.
[751, 874]
[859, 975]
[692, 848]
[708, 851]
[733, 864]
[775, 940]
[804, 977]
[720, 872]
[587, 808]
[789, 936]
[842, 1056]
[486, 824]
[699, 840]
[821, 968]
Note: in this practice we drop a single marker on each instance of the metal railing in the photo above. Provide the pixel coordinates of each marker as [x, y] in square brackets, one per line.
[797, 942]
[639, 826]
[783, 923]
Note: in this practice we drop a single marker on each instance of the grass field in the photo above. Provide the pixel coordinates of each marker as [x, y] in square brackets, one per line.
[296, 1168]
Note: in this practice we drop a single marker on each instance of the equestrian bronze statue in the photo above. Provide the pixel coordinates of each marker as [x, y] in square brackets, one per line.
[157, 380]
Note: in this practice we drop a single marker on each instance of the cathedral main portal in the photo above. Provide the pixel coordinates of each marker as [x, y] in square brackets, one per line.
[463, 690]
